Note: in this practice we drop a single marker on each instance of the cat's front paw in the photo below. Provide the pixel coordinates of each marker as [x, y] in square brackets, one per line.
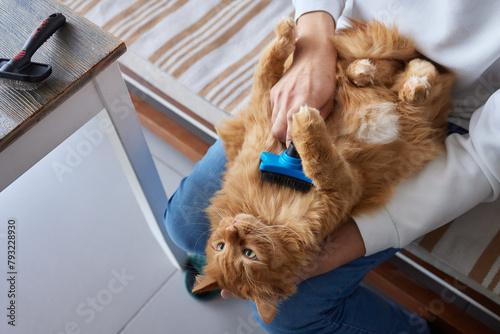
[307, 123]
[415, 89]
[361, 72]
[285, 31]
[285, 27]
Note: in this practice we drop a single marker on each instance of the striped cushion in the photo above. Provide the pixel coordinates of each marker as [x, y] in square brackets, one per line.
[211, 47]
[467, 249]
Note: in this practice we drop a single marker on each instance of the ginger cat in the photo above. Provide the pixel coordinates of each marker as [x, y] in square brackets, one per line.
[388, 122]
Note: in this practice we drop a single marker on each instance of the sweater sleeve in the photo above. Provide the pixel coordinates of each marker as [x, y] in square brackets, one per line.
[333, 7]
[466, 175]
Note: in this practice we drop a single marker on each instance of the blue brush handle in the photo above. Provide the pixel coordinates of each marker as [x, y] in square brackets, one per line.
[288, 163]
[37, 38]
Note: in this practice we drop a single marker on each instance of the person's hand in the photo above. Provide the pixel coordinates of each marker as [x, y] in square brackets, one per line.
[310, 80]
[341, 247]
[226, 294]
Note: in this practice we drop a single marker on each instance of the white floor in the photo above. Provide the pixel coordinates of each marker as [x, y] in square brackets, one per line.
[172, 309]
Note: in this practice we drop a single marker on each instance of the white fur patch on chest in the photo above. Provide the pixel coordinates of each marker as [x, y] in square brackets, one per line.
[379, 123]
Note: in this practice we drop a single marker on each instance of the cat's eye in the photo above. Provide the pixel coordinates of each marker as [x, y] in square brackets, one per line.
[250, 254]
[220, 246]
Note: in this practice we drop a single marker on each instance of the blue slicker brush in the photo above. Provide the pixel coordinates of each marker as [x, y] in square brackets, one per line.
[284, 169]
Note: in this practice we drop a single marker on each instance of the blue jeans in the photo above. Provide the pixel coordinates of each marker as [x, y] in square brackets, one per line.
[330, 303]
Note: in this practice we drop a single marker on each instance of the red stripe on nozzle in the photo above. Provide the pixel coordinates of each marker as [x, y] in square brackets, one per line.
[21, 54]
[37, 30]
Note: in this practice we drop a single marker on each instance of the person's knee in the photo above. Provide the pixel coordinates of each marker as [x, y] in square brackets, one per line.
[181, 232]
[301, 320]
[185, 217]
[174, 225]
[186, 223]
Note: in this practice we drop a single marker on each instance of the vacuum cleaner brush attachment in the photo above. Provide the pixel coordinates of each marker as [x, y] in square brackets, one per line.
[285, 169]
[20, 67]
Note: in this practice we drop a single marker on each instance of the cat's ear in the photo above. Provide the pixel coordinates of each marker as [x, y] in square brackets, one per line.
[267, 308]
[205, 283]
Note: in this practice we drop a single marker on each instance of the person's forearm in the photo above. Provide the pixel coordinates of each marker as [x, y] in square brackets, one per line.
[332, 7]
[310, 80]
[315, 31]
[341, 247]
[313, 23]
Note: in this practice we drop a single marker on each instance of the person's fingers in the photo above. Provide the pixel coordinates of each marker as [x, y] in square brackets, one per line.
[327, 109]
[279, 127]
[226, 294]
[289, 127]
[273, 101]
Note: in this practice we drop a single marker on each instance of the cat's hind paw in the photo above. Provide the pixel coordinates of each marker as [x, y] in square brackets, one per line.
[415, 90]
[361, 72]
[419, 79]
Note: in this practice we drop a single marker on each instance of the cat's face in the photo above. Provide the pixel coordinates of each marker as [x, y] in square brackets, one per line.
[252, 260]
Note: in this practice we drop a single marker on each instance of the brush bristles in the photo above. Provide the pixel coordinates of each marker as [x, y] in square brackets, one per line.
[24, 86]
[286, 181]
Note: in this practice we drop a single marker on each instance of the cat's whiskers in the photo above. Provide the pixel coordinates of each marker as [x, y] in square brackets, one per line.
[265, 237]
[256, 222]
[287, 228]
[253, 228]
[217, 217]
[262, 235]
[219, 213]
[251, 281]
[292, 231]
[200, 237]
[195, 214]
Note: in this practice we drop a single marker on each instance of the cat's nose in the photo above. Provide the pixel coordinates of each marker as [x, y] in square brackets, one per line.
[232, 231]
[232, 227]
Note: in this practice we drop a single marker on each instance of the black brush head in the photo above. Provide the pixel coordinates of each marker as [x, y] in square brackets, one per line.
[20, 66]
[285, 180]
[32, 72]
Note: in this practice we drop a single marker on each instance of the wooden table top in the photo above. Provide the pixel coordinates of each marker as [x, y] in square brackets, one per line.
[77, 52]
